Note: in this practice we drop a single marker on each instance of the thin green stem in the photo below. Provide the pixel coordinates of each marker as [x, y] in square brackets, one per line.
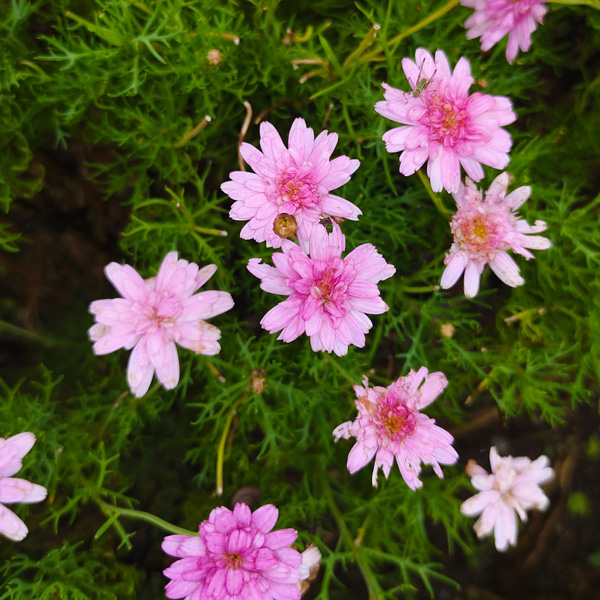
[223, 441]
[593, 3]
[437, 201]
[408, 32]
[419, 289]
[143, 516]
[31, 336]
[373, 587]
[336, 364]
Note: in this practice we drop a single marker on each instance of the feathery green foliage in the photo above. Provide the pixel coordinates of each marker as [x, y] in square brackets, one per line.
[144, 104]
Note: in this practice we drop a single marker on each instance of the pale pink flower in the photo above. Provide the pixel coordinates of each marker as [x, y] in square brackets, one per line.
[444, 124]
[295, 181]
[12, 489]
[484, 229]
[511, 489]
[493, 19]
[155, 314]
[235, 557]
[389, 425]
[328, 296]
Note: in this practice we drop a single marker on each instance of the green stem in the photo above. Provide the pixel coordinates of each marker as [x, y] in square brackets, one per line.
[31, 336]
[408, 32]
[420, 289]
[143, 516]
[593, 3]
[437, 201]
[336, 364]
[222, 442]
[375, 592]
[366, 42]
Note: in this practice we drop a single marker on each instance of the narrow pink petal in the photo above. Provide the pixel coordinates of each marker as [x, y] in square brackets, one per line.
[435, 384]
[126, 281]
[166, 363]
[11, 526]
[19, 490]
[472, 276]
[140, 370]
[454, 269]
[506, 269]
[12, 451]
[265, 517]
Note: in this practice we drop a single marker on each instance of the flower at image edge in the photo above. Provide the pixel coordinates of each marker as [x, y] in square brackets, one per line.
[328, 296]
[493, 19]
[443, 124]
[295, 181]
[390, 426]
[512, 488]
[484, 229]
[155, 314]
[12, 489]
[235, 557]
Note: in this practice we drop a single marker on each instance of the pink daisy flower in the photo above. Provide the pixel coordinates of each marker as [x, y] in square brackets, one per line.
[155, 314]
[389, 425]
[294, 181]
[484, 229]
[511, 489]
[493, 19]
[444, 124]
[12, 489]
[235, 557]
[328, 295]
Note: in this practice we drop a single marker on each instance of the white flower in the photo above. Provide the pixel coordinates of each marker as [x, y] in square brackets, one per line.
[511, 489]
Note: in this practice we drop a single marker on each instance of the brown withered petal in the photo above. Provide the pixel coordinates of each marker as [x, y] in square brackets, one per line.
[285, 225]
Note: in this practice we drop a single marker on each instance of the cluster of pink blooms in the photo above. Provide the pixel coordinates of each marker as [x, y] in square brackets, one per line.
[512, 488]
[450, 129]
[390, 425]
[237, 556]
[328, 297]
[13, 489]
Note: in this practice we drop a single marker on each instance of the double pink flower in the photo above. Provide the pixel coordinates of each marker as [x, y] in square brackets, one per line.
[328, 296]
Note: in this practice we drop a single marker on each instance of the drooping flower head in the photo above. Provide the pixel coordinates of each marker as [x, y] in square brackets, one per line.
[493, 19]
[155, 314]
[235, 557]
[389, 425]
[512, 488]
[295, 181]
[443, 124]
[328, 295]
[484, 229]
[12, 489]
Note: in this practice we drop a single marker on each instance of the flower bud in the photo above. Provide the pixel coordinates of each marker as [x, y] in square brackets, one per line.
[258, 383]
[214, 57]
[285, 225]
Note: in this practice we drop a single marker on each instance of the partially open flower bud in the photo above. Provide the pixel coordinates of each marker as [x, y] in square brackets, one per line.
[285, 225]
[258, 383]
[447, 330]
[214, 57]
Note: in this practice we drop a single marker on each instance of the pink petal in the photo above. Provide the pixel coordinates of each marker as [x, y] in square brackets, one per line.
[20, 490]
[12, 450]
[11, 526]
